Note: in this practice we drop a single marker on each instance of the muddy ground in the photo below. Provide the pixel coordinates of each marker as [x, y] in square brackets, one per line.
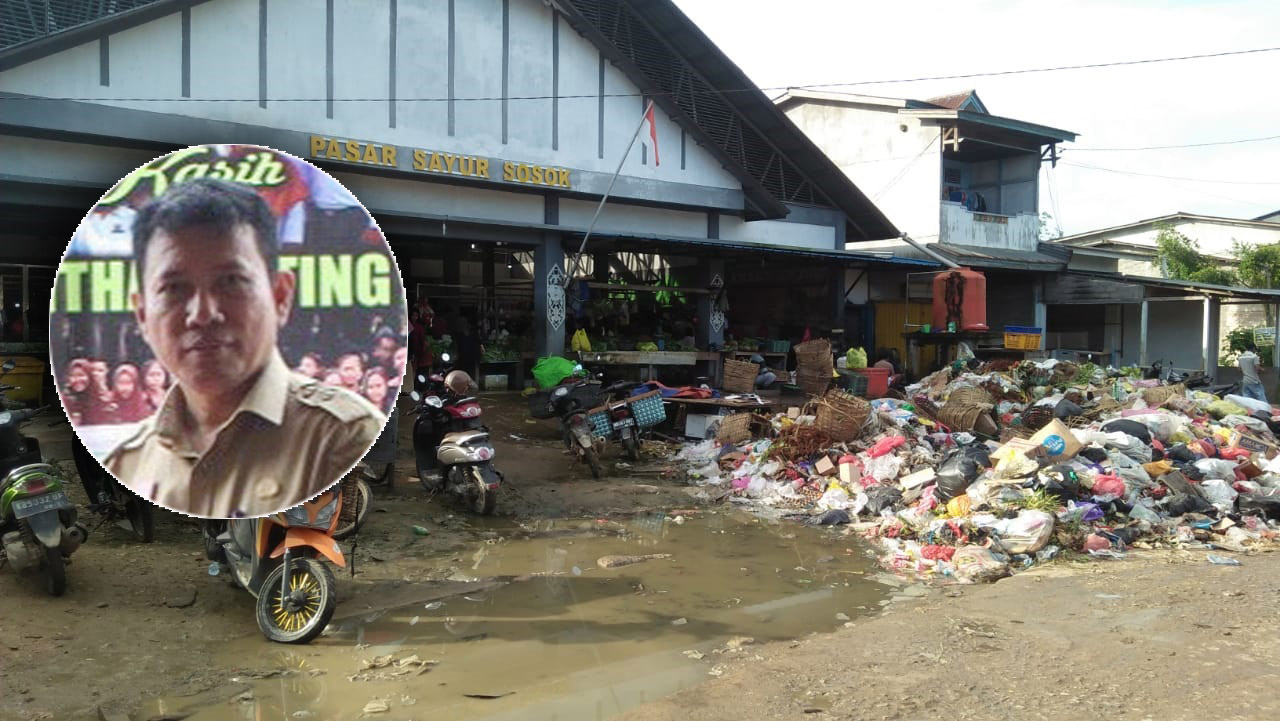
[1159, 635]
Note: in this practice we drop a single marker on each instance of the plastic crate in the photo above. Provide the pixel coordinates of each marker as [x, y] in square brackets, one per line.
[1019, 337]
[855, 383]
[648, 409]
[600, 424]
[779, 346]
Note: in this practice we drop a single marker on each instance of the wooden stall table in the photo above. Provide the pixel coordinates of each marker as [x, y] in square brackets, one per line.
[694, 415]
[645, 359]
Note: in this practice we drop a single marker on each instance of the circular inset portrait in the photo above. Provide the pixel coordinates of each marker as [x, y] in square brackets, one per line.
[227, 329]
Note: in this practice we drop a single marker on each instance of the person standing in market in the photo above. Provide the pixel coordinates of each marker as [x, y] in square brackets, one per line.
[1251, 381]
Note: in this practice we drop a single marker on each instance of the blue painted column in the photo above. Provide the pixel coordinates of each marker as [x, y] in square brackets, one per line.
[550, 305]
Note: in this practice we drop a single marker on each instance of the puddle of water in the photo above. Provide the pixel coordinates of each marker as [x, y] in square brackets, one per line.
[577, 641]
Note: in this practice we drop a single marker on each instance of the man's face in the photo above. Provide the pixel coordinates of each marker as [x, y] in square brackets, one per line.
[399, 359]
[209, 309]
[309, 367]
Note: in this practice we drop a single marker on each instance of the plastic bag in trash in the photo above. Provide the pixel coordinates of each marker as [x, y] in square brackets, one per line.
[1214, 468]
[1128, 427]
[1219, 493]
[1060, 481]
[959, 470]
[1249, 403]
[834, 517]
[1066, 409]
[1177, 504]
[1028, 532]
[1140, 512]
[975, 564]
[884, 468]
[882, 498]
[835, 499]
[1263, 505]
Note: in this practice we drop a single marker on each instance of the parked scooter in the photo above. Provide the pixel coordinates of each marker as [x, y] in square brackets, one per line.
[571, 400]
[276, 559]
[38, 524]
[114, 503]
[625, 428]
[451, 443]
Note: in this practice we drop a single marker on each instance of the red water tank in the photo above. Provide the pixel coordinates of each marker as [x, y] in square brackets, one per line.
[960, 295]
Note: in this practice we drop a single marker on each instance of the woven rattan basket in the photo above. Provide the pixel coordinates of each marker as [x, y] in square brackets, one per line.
[1037, 417]
[735, 428]
[968, 417]
[970, 396]
[840, 415]
[1156, 396]
[739, 376]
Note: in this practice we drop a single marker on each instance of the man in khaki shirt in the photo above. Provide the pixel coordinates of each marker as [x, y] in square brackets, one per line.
[238, 434]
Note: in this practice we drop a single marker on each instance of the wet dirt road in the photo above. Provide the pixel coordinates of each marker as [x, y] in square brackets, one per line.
[547, 633]
[145, 621]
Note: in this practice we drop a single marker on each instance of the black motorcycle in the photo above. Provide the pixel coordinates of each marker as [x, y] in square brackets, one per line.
[571, 401]
[110, 499]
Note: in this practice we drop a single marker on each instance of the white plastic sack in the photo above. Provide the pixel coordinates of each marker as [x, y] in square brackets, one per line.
[975, 564]
[1273, 466]
[1161, 425]
[706, 450]
[835, 499]
[1249, 422]
[1136, 476]
[884, 468]
[1028, 532]
[1213, 468]
[1251, 404]
[1219, 493]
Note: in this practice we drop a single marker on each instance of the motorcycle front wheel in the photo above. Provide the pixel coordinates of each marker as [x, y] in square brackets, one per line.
[301, 615]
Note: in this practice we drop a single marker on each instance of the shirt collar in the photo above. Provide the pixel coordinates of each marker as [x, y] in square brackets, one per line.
[266, 399]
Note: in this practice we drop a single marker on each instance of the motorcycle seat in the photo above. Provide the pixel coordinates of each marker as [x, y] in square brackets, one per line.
[463, 438]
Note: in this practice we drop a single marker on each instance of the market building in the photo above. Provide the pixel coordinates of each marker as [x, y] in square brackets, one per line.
[481, 135]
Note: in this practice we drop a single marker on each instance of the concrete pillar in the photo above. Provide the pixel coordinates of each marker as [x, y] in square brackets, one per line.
[487, 260]
[1142, 333]
[1209, 335]
[711, 322]
[550, 306]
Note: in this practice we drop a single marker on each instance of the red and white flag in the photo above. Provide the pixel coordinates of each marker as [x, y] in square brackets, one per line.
[649, 132]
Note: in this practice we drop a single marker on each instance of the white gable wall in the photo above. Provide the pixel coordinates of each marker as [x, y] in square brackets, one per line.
[899, 171]
[145, 62]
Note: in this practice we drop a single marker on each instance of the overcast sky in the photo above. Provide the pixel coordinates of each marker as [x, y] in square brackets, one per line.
[1194, 101]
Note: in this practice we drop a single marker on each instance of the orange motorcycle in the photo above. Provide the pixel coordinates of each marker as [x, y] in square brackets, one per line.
[277, 560]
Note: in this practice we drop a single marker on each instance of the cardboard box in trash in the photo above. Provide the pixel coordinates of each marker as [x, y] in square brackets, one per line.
[1054, 443]
[1252, 444]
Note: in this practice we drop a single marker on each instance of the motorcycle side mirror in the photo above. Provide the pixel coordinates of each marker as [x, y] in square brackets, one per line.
[435, 402]
[415, 395]
[445, 358]
[421, 379]
[9, 365]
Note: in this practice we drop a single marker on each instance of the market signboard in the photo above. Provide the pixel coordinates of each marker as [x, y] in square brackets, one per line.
[1264, 336]
[436, 162]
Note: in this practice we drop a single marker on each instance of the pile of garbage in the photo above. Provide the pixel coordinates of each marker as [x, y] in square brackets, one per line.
[990, 469]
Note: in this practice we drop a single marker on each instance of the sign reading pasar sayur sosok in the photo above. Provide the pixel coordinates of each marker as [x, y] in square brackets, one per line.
[436, 162]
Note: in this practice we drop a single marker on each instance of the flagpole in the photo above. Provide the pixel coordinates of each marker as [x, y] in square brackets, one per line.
[582, 248]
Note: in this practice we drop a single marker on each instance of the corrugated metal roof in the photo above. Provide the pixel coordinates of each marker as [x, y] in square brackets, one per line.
[1046, 259]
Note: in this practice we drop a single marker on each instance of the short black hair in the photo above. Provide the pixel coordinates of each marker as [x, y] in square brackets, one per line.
[1251, 346]
[206, 201]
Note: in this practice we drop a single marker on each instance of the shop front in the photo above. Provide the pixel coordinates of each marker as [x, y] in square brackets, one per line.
[484, 161]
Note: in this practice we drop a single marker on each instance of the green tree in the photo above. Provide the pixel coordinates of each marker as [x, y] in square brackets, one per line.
[1258, 265]
[1180, 257]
